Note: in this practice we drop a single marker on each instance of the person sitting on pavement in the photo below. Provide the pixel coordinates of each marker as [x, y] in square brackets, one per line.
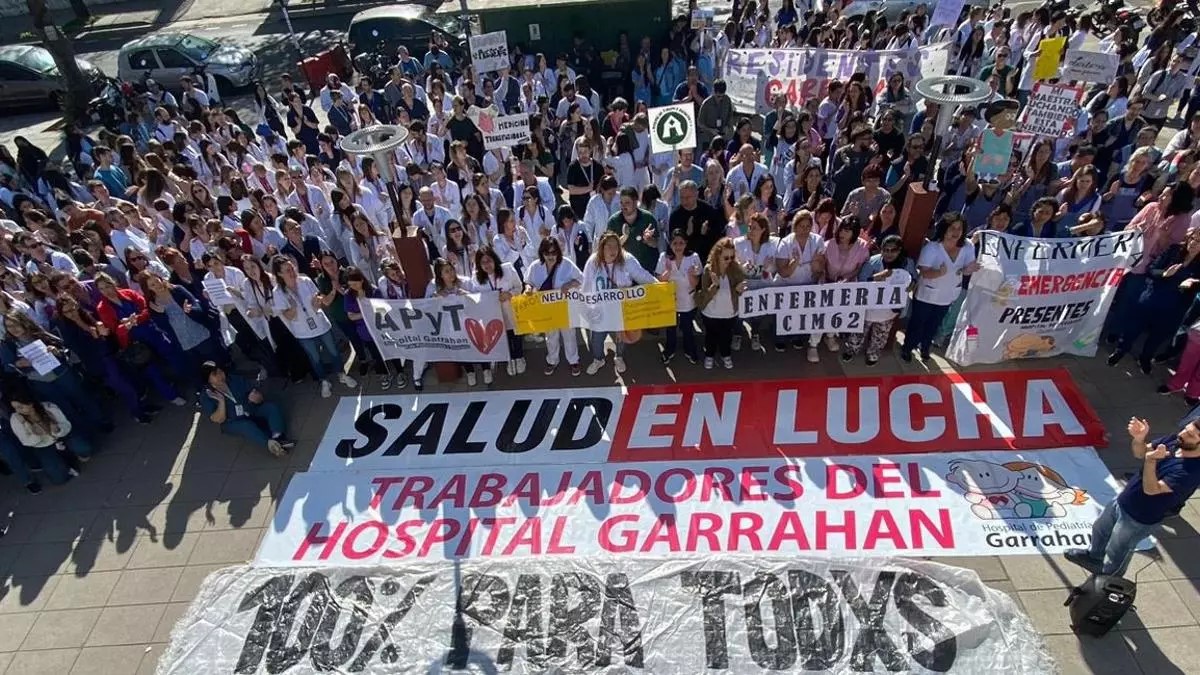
[243, 410]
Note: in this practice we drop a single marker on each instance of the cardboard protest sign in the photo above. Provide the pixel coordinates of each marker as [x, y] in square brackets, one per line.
[1052, 110]
[1084, 66]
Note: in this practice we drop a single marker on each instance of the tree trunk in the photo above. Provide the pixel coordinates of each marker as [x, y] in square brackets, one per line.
[78, 91]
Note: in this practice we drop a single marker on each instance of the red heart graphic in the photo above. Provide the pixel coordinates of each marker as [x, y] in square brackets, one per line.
[485, 337]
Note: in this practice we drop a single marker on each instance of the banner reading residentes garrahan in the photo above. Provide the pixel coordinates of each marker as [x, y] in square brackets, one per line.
[654, 616]
[1034, 298]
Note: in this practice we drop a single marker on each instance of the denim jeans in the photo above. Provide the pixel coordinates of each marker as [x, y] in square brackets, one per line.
[685, 322]
[596, 345]
[1114, 537]
[322, 353]
[250, 426]
[18, 457]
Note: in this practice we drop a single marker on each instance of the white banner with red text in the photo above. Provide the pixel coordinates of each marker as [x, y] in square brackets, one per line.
[1034, 298]
[659, 616]
[805, 73]
[827, 308]
[944, 504]
[819, 417]
[467, 328]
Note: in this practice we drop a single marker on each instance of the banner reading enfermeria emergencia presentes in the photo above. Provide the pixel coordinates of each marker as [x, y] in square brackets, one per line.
[1034, 298]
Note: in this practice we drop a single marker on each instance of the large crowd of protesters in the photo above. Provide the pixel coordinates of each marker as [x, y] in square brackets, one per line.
[155, 253]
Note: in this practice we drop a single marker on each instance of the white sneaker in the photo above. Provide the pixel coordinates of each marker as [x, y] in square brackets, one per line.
[275, 448]
[619, 364]
[727, 362]
[521, 365]
[471, 378]
[831, 342]
[179, 401]
[326, 389]
[755, 344]
[813, 356]
[487, 376]
[594, 367]
[510, 368]
[708, 363]
[262, 374]
[347, 381]
[737, 342]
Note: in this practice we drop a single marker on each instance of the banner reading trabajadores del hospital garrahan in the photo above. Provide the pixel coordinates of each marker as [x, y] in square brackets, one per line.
[1034, 298]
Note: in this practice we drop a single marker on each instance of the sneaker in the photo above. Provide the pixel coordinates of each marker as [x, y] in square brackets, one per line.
[347, 381]
[285, 442]
[550, 368]
[594, 367]
[34, 488]
[755, 344]
[362, 368]
[1081, 557]
[737, 342]
[275, 448]
[510, 368]
[1163, 389]
[619, 364]
[727, 362]
[831, 342]
[847, 357]
[1145, 366]
[872, 362]
[385, 382]
[906, 356]
[1115, 357]
[925, 356]
[487, 376]
[262, 375]
[471, 379]
[813, 356]
[400, 381]
[780, 348]
[1161, 358]
[73, 472]
[179, 401]
[418, 384]
[692, 359]
[667, 357]
[575, 370]
[521, 365]
[326, 389]
[708, 363]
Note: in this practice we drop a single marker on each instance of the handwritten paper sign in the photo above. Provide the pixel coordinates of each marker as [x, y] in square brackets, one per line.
[1052, 110]
[1083, 66]
[1051, 50]
[218, 291]
[39, 357]
[489, 51]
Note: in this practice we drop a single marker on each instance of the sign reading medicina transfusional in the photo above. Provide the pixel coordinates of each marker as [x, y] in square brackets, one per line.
[657, 616]
[1034, 298]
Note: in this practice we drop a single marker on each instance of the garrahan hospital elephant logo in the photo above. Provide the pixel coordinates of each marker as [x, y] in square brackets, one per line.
[1013, 490]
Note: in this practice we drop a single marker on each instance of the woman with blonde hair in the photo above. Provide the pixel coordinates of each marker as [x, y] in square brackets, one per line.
[721, 284]
[610, 267]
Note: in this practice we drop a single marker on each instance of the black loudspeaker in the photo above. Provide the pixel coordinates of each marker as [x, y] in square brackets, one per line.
[1099, 603]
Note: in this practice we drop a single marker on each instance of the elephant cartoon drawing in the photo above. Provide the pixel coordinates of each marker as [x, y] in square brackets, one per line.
[988, 486]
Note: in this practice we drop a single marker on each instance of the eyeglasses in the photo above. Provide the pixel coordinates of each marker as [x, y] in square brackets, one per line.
[455, 229]
[137, 258]
[726, 258]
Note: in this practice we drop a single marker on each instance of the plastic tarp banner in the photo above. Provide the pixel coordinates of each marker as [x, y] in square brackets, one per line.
[656, 616]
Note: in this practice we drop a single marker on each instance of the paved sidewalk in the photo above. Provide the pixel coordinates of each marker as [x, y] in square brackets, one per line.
[95, 573]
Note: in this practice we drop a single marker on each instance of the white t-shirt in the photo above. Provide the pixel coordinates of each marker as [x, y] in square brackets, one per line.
[943, 290]
[308, 322]
[759, 266]
[684, 302]
[510, 282]
[814, 245]
[721, 304]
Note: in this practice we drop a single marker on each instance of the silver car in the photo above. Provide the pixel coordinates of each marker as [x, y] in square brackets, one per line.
[28, 76]
[167, 57]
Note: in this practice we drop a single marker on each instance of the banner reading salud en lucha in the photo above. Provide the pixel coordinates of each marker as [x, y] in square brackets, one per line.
[1034, 298]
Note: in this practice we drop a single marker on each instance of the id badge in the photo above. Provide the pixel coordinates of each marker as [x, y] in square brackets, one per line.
[312, 323]
[239, 411]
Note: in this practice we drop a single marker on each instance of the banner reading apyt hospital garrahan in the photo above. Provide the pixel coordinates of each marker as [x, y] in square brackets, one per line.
[461, 328]
[1034, 298]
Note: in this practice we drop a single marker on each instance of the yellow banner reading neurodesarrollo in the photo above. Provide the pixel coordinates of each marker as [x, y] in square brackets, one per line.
[636, 308]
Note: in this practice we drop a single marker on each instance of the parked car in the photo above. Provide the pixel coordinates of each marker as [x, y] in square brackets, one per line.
[384, 29]
[29, 77]
[167, 57]
[892, 9]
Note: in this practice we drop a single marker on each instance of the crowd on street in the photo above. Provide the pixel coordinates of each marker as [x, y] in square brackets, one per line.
[197, 254]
